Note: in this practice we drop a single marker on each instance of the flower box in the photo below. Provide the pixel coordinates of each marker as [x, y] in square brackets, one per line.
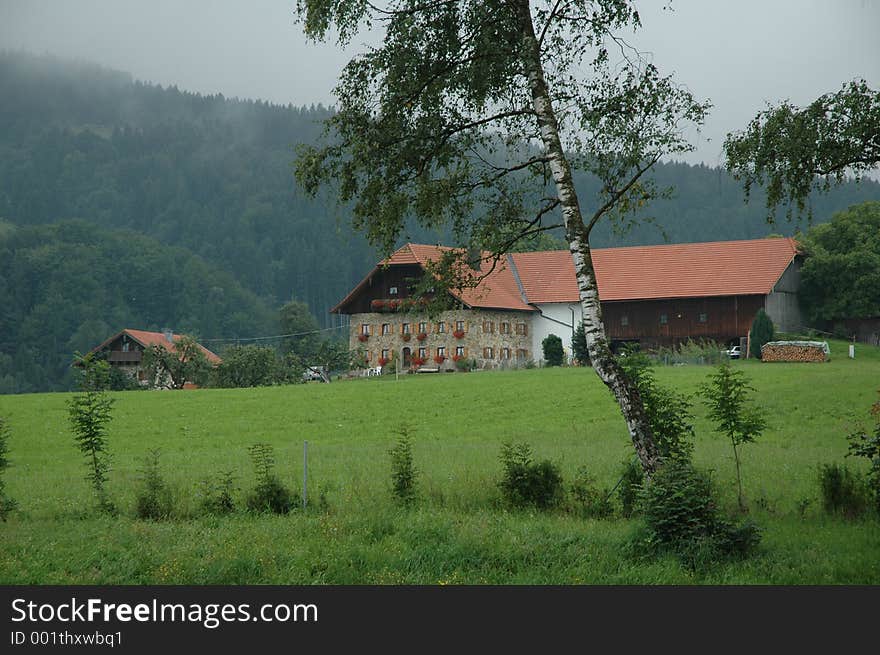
[383, 361]
[457, 358]
[439, 359]
[458, 334]
[418, 361]
[377, 305]
[407, 336]
[421, 336]
[363, 337]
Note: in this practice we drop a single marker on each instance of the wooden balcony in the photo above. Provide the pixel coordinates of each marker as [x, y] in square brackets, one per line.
[120, 357]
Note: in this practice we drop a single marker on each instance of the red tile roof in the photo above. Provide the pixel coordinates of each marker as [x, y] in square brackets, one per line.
[147, 339]
[498, 290]
[685, 270]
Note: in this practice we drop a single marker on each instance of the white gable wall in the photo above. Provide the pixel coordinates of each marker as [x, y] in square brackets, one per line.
[554, 318]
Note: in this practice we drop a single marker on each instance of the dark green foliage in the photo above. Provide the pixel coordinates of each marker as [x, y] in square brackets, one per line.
[69, 286]
[669, 412]
[579, 345]
[255, 366]
[867, 445]
[587, 499]
[682, 516]
[843, 491]
[840, 277]
[526, 483]
[792, 150]
[554, 355]
[631, 480]
[403, 470]
[269, 495]
[153, 500]
[89, 412]
[762, 331]
[6, 503]
[172, 370]
[217, 494]
[298, 322]
[727, 396]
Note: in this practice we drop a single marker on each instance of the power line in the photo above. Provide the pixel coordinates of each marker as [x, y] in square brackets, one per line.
[276, 336]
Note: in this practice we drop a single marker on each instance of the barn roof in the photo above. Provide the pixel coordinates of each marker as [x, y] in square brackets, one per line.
[685, 270]
[147, 339]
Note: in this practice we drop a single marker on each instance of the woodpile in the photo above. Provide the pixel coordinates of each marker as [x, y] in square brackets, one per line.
[795, 351]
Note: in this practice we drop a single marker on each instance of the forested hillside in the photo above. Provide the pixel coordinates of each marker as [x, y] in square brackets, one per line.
[67, 287]
[211, 177]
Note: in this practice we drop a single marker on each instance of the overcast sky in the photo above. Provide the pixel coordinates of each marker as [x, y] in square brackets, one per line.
[739, 54]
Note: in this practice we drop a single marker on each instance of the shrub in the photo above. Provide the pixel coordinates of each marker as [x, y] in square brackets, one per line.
[216, 494]
[270, 495]
[554, 355]
[403, 471]
[579, 346]
[867, 445]
[727, 395]
[631, 480]
[843, 492]
[682, 516]
[526, 483]
[668, 412]
[153, 500]
[589, 500]
[89, 412]
[761, 333]
[6, 503]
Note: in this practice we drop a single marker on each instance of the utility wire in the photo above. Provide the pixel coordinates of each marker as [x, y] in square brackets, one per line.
[276, 336]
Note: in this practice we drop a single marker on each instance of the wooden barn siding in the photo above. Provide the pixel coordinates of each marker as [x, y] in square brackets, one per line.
[378, 287]
[727, 317]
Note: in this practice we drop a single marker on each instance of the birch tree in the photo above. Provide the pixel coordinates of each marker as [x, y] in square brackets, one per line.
[474, 115]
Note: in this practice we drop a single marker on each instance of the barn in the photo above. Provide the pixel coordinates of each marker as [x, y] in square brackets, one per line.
[652, 295]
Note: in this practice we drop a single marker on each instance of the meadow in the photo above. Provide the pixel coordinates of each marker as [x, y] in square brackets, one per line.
[459, 531]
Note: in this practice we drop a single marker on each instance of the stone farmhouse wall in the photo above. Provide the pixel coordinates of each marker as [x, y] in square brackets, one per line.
[494, 339]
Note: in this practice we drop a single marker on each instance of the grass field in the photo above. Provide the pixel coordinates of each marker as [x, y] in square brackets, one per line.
[458, 532]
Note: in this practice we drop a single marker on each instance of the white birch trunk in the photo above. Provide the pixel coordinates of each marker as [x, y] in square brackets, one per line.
[577, 235]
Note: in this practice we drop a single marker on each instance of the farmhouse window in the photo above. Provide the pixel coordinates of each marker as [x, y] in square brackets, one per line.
[624, 320]
[423, 353]
[664, 319]
[522, 353]
[505, 328]
[505, 353]
[384, 353]
[441, 351]
[365, 329]
[441, 327]
[386, 328]
[704, 318]
[392, 291]
[125, 346]
[459, 350]
[369, 355]
[404, 328]
[423, 328]
[522, 329]
[459, 326]
[488, 353]
[488, 327]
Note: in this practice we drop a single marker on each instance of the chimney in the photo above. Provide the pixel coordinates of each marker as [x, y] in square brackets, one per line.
[169, 335]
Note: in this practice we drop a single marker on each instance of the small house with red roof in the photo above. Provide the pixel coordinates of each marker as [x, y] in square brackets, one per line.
[125, 350]
[652, 295]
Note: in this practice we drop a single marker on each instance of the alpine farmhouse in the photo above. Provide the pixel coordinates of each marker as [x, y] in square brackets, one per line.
[651, 295]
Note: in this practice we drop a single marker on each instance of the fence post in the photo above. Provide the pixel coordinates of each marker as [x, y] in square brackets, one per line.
[305, 473]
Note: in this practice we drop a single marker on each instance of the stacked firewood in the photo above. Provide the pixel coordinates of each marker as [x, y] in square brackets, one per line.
[795, 351]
